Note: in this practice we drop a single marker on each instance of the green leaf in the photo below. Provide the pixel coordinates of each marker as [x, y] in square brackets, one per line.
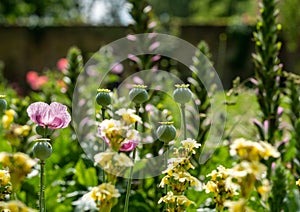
[85, 176]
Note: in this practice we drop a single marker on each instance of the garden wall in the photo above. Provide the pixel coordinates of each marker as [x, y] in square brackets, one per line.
[23, 49]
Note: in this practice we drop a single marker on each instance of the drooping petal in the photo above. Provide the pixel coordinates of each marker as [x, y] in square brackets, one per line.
[128, 146]
[59, 116]
[38, 113]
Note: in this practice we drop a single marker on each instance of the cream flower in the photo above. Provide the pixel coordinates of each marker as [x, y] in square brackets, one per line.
[252, 151]
[129, 116]
[103, 195]
[190, 145]
[269, 151]
[113, 162]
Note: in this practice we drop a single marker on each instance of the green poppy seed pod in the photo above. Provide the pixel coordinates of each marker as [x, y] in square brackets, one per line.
[103, 97]
[3, 103]
[182, 94]
[42, 149]
[43, 131]
[138, 94]
[166, 132]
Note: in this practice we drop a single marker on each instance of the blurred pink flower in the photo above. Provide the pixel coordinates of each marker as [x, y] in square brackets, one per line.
[62, 64]
[117, 68]
[152, 24]
[128, 146]
[280, 111]
[131, 37]
[154, 46]
[138, 80]
[53, 116]
[35, 81]
[156, 58]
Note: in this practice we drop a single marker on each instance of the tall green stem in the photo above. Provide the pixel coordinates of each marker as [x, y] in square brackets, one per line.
[129, 184]
[42, 187]
[137, 109]
[166, 157]
[103, 144]
[184, 121]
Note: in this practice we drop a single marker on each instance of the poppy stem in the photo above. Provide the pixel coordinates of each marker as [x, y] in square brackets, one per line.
[184, 120]
[137, 109]
[103, 109]
[42, 187]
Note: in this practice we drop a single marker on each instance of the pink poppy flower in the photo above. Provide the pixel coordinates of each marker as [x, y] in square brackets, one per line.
[35, 81]
[62, 64]
[128, 146]
[53, 116]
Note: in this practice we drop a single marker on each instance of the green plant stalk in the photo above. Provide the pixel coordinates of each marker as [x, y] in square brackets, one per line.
[103, 144]
[129, 184]
[268, 70]
[166, 156]
[137, 109]
[42, 204]
[184, 121]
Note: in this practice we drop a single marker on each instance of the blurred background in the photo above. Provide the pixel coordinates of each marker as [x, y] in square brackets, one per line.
[35, 34]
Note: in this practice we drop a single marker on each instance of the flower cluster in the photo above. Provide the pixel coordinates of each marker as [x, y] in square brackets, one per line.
[19, 166]
[8, 118]
[221, 186]
[15, 206]
[177, 177]
[113, 163]
[5, 184]
[104, 196]
[175, 202]
[250, 173]
[252, 151]
[119, 134]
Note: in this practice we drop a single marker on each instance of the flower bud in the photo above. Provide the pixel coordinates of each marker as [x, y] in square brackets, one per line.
[166, 132]
[103, 97]
[3, 103]
[138, 94]
[182, 94]
[42, 149]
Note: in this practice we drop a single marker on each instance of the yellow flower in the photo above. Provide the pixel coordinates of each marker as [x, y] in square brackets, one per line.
[4, 178]
[252, 151]
[220, 173]
[183, 200]
[298, 182]
[169, 198]
[104, 194]
[237, 206]
[8, 118]
[15, 206]
[19, 166]
[22, 130]
[264, 189]
[113, 162]
[269, 151]
[211, 187]
[129, 116]
[190, 145]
